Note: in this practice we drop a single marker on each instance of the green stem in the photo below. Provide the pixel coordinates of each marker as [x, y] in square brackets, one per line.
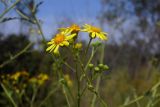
[69, 66]
[91, 57]
[15, 56]
[156, 102]
[141, 97]
[7, 10]
[88, 47]
[83, 71]
[84, 89]
[65, 93]
[99, 78]
[78, 86]
[77, 77]
[34, 96]
[9, 95]
[40, 29]
[22, 15]
[135, 96]
[133, 101]
[49, 95]
[103, 102]
[66, 90]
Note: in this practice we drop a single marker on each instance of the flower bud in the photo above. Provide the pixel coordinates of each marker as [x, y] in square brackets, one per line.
[96, 69]
[96, 44]
[100, 65]
[105, 67]
[90, 65]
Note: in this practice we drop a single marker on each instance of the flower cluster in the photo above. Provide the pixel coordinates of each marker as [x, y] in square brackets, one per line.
[68, 35]
[19, 80]
[39, 79]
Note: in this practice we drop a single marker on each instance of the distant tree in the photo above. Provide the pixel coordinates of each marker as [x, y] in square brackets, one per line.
[32, 60]
[135, 32]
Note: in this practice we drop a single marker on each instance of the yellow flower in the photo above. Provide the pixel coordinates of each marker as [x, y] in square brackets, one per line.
[95, 32]
[78, 46]
[74, 28]
[15, 76]
[61, 39]
[68, 80]
[18, 74]
[40, 79]
[43, 77]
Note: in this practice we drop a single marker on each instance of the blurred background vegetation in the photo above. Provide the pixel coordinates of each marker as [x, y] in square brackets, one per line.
[132, 51]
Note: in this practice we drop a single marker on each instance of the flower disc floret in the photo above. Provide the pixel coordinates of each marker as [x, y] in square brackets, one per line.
[59, 39]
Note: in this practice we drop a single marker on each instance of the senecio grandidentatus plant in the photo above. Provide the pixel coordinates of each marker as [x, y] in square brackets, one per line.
[17, 86]
[85, 71]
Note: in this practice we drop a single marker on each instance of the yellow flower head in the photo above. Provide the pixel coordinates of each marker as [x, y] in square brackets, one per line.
[78, 46]
[68, 80]
[40, 79]
[74, 28]
[95, 32]
[18, 74]
[43, 77]
[61, 39]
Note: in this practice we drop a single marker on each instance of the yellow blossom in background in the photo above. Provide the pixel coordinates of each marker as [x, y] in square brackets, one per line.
[16, 81]
[60, 40]
[18, 74]
[95, 32]
[15, 76]
[5, 79]
[74, 28]
[40, 79]
[78, 45]
[68, 80]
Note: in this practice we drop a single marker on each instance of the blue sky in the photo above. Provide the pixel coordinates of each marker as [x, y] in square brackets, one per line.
[53, 12]
[70, 8]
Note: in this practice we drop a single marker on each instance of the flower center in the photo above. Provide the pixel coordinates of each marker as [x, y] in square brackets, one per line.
[59, 38]
[75, 27]
[95, 29]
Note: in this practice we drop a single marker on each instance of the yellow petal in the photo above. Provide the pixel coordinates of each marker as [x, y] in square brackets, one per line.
[56, 49]
[105, 33]
[51, 42]
[50, 47]
[102, 36]
[65, 32]
[66, 43]
[70, 36]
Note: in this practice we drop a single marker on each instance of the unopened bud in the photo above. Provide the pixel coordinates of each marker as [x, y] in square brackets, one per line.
[96, 69]
[96, 44]
[100, 65]
[90, 65]
[105, 67]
